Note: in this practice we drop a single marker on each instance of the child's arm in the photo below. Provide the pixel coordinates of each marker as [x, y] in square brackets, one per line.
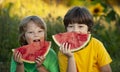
[20, 66]
[42, 69]
[39, 65]
[65, 49]
[103, 58]
[71, 64]
[106, 68]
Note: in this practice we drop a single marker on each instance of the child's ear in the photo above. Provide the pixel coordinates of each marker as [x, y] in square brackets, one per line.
[24, 39]
[88, 32]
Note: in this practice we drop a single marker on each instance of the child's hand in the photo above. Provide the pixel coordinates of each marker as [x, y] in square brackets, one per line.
[39, 60]
[18, 57]
[65, 49]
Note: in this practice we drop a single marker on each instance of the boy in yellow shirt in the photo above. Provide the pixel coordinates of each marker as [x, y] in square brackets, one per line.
[92, 58]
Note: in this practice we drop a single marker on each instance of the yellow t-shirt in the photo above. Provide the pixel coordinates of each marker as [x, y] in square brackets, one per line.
[89, 59]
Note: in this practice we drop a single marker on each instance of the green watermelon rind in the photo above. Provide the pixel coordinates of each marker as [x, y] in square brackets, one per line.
[76, 49]
[34, 61]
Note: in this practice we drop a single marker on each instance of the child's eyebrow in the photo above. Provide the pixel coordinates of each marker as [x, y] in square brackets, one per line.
[70, 24]
[29, 31]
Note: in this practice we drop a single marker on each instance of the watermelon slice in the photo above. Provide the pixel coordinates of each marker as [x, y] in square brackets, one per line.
[32, 51]
[77, 41]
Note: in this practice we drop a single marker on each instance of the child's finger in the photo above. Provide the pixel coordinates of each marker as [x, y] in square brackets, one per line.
[43, 57]
[18, 57]
[69, 46]
[37, 62]
[66, 47]
[15, 55]
[40, 58]
[61, 47]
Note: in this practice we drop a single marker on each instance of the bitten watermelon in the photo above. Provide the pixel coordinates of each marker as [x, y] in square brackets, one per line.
[32, 51]
[76, 40]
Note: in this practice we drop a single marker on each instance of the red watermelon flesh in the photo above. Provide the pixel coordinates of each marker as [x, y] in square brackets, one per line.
[76, 40]
[32, 51]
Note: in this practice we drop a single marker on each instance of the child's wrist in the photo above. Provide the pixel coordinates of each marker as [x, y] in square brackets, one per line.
[19, 63]
[38, 66]
[71, 56]
[41, 68]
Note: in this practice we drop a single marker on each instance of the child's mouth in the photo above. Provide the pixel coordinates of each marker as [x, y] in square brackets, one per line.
[37, 40]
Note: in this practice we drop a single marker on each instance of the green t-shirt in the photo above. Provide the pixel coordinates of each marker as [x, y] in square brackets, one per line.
[50, 63]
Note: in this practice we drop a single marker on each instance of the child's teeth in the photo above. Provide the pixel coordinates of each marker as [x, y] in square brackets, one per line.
[36, 40]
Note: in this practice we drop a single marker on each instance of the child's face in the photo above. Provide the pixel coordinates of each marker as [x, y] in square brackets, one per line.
[34, 33]
[79, 28]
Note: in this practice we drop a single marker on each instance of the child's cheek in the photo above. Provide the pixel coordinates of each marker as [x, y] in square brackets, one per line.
[29, 41]
[42, 38]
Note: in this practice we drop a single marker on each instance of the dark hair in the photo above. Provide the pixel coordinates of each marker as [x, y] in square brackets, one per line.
[78, 15]
[23, 25]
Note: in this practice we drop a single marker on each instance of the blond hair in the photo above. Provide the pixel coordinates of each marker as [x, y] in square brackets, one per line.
[23, 25]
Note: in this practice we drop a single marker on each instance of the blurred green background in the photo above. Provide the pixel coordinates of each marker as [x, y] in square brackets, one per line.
[106, 16]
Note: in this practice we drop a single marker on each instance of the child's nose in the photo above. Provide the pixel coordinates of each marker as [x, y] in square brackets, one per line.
[35, 34]
[76, 29]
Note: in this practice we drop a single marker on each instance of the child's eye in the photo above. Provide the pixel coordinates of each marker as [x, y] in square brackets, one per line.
[40, 31]
[30, 32]
[70, 26]
[80, 26]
